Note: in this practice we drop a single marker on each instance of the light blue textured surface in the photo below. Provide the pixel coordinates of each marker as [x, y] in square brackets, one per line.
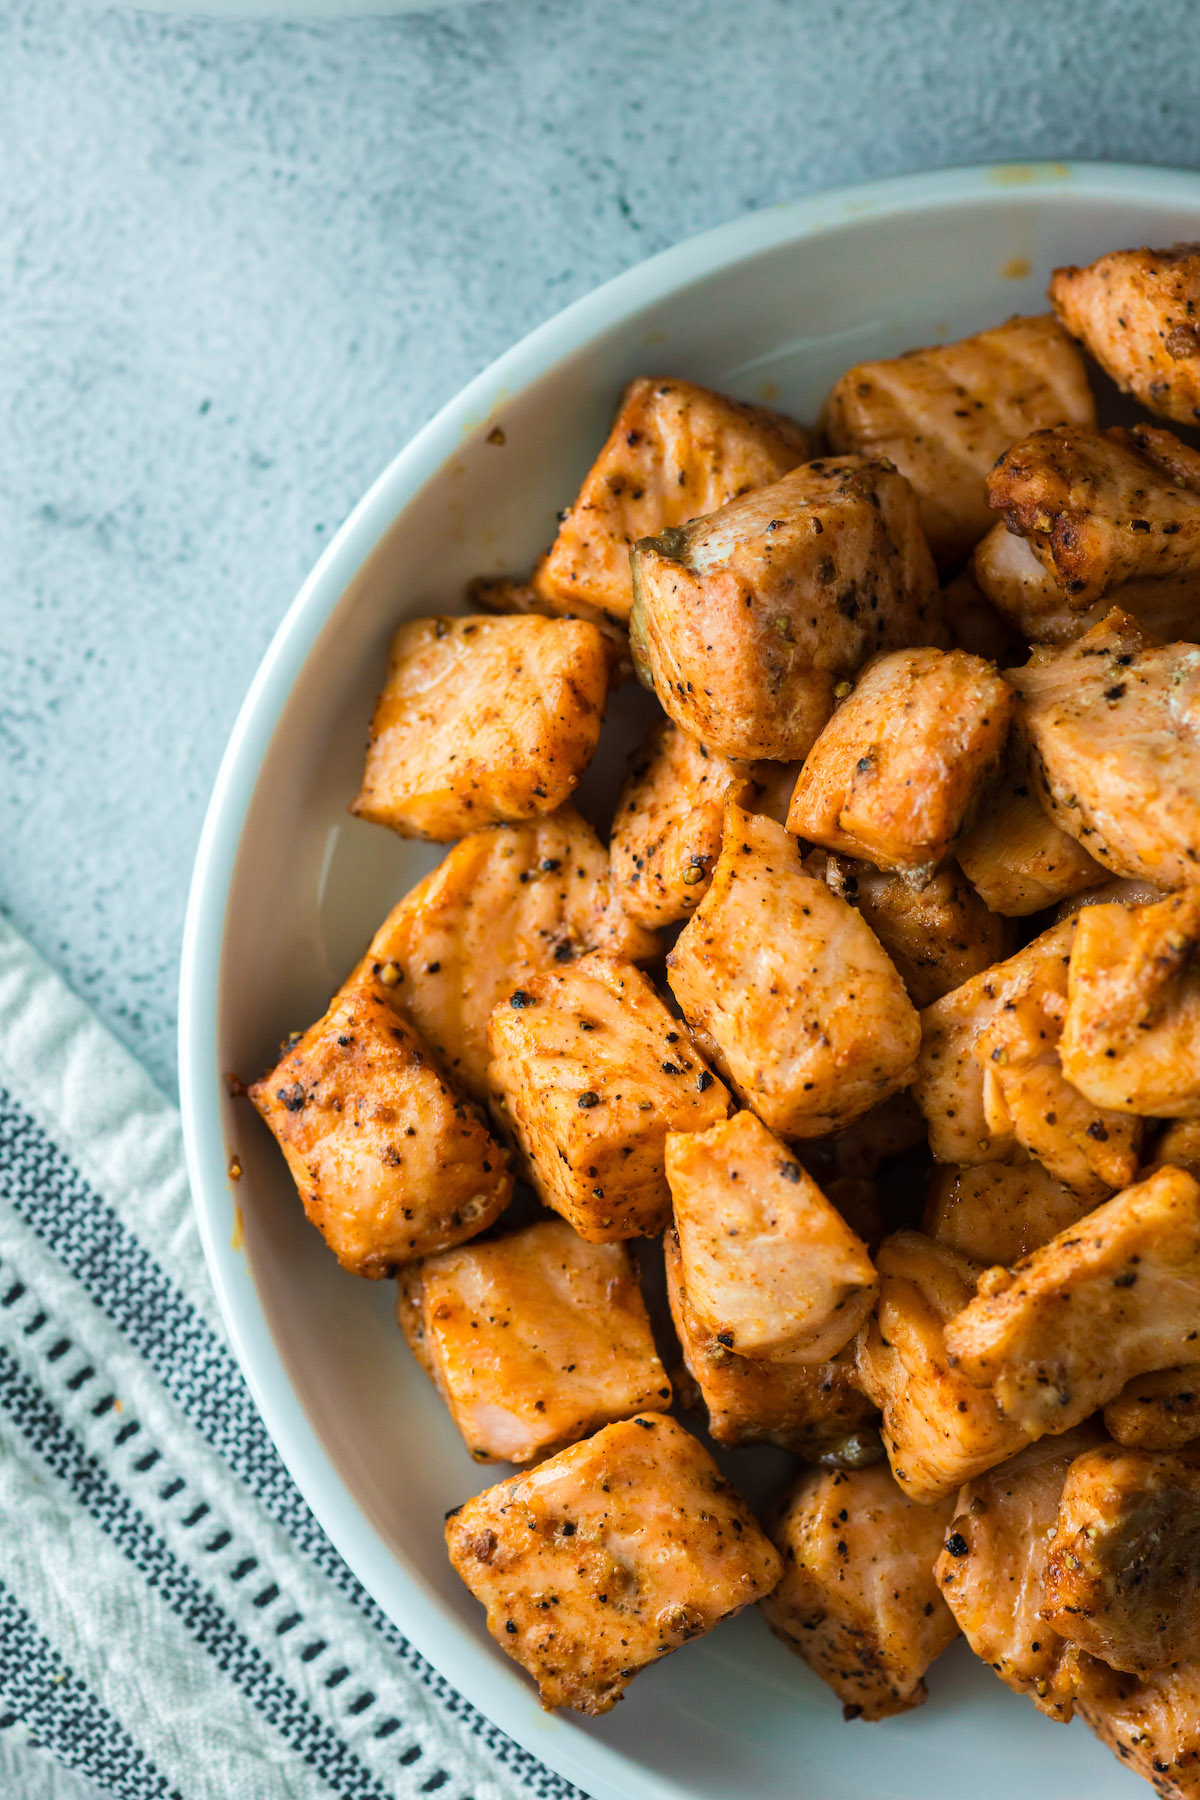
[241, 263]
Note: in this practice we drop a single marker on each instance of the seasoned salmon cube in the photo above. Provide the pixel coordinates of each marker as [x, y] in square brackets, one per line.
[948, 1087]
[1160, 1411]
[666, 835]
[1024, 594]
[1152, 1725]
[1123, 1575]
[992, 1570]
[1029, 599]
[809, 1018]
[1138, 313]
[938, 935]
[990, 1083]
[944, 415]
[592, 1072]
[1102, 508]
[1131, 474]
[1131, 1037]
[675, 451]
[481, 720]
[1114, 722]
[502, 906]
[770, 1267]
[816, 1410]
[1026, 1097]
[533, 1340]
[1113, 1297]
[858, 1600]
[745, 621]
[938, 1429]
[390, 1163]
[603, 1559]
[893, 773]
[998, 1212]
[1014, 855]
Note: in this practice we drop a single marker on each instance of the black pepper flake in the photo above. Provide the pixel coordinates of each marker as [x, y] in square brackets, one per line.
[1098, 1130]
[510, 1627]
[1126, 1280]
[670, 1068]
[790, 1171]
[293, 1098]
[704, 1081]
[957, 1544]
[726, 1338]
[588, 1099]
[520, 999]
[568, 1528]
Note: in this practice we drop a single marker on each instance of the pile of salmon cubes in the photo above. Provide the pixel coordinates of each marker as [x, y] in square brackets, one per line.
[879, 1012]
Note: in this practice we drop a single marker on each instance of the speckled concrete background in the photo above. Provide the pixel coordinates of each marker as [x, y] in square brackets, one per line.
[240, 264]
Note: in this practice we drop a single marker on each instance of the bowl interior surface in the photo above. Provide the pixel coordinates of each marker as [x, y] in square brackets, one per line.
[289, 888]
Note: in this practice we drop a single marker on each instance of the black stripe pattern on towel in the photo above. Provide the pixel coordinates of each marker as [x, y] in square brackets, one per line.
[63, 1717]
[102, 1255]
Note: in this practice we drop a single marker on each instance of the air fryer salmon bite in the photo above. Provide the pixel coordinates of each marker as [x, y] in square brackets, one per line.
[839, 1090]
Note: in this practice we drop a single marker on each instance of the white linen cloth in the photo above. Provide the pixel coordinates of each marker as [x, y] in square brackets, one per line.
[173, 1622]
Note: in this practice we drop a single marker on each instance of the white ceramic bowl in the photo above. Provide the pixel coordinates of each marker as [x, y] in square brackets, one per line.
[288, 888]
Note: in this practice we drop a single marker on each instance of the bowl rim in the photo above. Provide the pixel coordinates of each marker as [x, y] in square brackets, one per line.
[424, 1620]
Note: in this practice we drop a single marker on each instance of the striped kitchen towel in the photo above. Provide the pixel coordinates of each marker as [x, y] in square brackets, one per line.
[173, 1622]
